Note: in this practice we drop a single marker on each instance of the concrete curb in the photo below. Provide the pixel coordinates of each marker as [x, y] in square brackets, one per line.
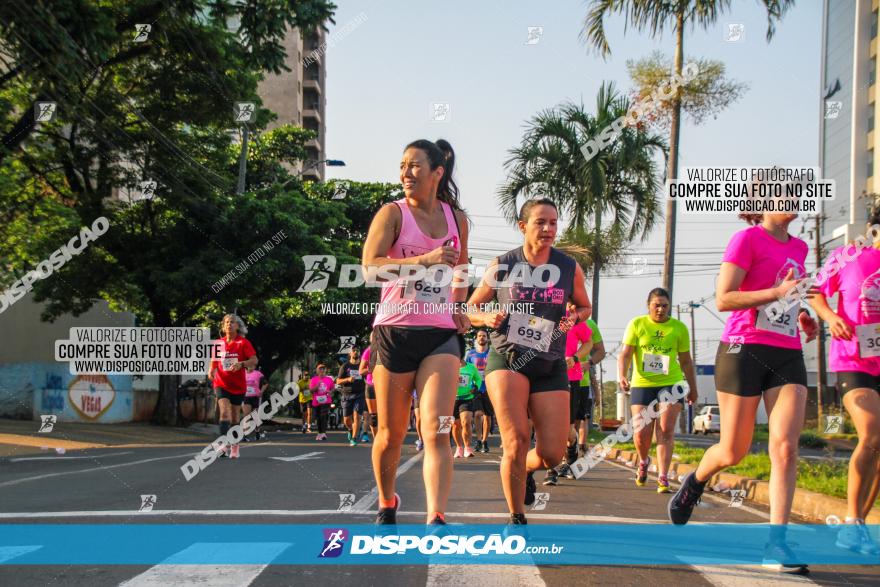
[808, 504]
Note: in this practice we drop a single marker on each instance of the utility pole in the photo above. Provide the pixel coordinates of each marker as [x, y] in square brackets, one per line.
[242, 160]
[690, 408]
[820, 338]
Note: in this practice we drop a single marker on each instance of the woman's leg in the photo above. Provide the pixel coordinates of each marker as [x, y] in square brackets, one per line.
[509, 392]
[735, 436]
[393, 397]
[643, 438]
[785, 411]
[322, 413]
[467, 421]
[456, 432]
[863, 405]
[550, 416]
[371, 408]
[437, 382]
[666, 436]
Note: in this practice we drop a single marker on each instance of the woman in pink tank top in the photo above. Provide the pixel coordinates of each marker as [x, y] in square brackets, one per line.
[416, 332]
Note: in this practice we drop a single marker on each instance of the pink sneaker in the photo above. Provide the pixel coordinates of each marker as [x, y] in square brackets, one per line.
[468, 453]
[234, 453]
[457, 452]
[319, 437]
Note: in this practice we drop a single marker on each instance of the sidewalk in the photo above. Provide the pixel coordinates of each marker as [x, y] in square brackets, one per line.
[21, 437]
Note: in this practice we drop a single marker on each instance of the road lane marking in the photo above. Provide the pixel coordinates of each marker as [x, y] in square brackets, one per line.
[484, 575]
[11, 552]
[102, 468]
[214, 574]
[306, 457]
[100, 456]
[367, 502]
[38, 441]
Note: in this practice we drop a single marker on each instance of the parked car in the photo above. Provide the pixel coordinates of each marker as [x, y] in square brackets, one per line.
[708, 420]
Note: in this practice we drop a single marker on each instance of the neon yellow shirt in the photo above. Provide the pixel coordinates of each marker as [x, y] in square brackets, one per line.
[657, 345]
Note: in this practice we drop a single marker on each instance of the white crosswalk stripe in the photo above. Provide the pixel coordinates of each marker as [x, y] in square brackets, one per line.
[173, 571]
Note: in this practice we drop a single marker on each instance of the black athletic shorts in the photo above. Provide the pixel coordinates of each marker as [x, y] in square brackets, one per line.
[580, 403]
[849, 380]
[482, 403]
[463, 405]
[253, 401]
[755, 368]
[645, 396]
[235, 399]
[543, 374]
[371, 391]
[402, 350]
[353, 403]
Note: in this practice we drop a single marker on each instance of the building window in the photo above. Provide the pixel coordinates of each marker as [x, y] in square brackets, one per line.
[870, 164]
[871, 119]
[874, 25]
[872, 75]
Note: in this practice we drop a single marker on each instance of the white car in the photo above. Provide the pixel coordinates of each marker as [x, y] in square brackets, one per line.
[708, 420]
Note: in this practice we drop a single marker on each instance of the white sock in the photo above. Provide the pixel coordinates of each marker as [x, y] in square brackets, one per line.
[855, 520]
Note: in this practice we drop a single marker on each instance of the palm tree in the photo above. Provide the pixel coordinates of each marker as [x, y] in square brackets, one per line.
[656, 16]
[620, 182]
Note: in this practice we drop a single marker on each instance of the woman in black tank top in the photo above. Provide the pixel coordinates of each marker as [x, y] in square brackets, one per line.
[526, 374]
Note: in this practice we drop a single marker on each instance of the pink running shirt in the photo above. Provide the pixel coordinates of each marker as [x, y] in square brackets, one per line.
[578, 334]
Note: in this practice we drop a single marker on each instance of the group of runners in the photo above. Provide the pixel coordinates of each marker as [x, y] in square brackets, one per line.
[525, 371]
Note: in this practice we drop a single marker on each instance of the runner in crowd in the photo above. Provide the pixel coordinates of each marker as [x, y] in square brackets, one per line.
[321, 386]
[578, 342]
[305, 402]
[353, 392]
[661, 347]
[256, 387]
[419, 346]
[594, 390]
[758, 356]
[367, 365]
[228, 375]
[526, 372]
[855, 357]
[469, 381]
[483, 412]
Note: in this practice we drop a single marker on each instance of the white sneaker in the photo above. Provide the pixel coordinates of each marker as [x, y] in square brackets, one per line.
[234, 453]
[468, 452]
[458, 453]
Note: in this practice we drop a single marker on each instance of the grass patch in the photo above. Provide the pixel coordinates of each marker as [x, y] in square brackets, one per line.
[825, 477]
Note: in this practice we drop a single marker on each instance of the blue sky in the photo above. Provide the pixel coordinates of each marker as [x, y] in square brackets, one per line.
[384, 75]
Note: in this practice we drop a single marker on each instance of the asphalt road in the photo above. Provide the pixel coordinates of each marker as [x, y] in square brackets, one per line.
[291, 479]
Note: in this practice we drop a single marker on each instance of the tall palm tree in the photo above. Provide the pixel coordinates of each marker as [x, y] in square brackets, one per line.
[656, 16]
[620, 184]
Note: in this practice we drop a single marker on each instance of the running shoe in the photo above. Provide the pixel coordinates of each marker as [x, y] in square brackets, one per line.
[365, 437]
[352, 442]
[485, 447]
[478, 444]
[531, 487]
[565, 471]
[682, 504]
[234, 453]
[662, 484]
[388, 516]
[438, 520]
[468, 453]
[222, 451]
[552, 477]
[348, 435]
[304, 428]
[419, 445]
[855, 537]
[780, 558]
[517, 520]
[458, 453]
[642, 475]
